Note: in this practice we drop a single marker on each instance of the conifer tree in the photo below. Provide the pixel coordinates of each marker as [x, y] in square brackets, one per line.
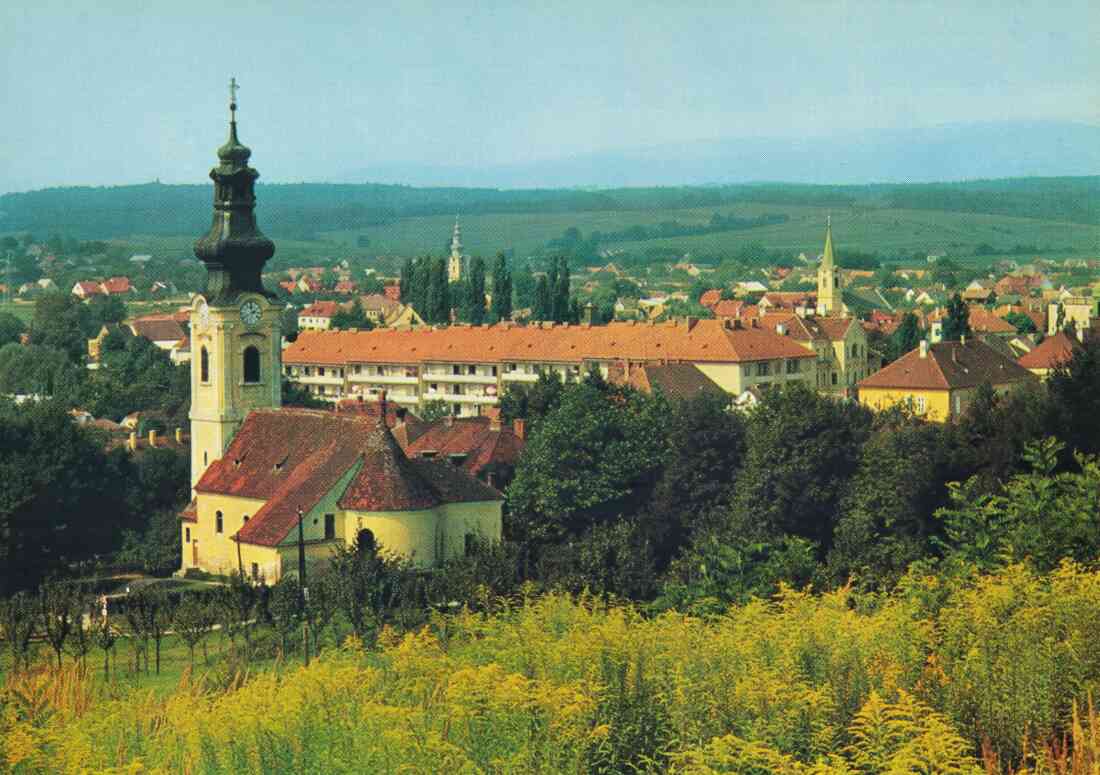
[957, 323]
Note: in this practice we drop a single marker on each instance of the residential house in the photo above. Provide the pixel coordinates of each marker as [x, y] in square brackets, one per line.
[86, 289]
[939, 381]
[318, 316]
[1054, 351]
[116, 286]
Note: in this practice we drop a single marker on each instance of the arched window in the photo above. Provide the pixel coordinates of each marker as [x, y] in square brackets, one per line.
[251, 364]
[204, 365]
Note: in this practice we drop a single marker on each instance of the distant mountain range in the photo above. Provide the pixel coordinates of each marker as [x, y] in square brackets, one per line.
[934, 154]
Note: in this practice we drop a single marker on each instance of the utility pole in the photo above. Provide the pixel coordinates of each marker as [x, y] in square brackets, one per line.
[303, 592]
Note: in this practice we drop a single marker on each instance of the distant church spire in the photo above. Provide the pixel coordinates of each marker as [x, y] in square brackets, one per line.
[829, 283]
[234, 250]
[456, 239]
[454, 265]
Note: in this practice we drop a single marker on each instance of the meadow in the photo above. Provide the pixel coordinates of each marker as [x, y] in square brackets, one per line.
[967, 674]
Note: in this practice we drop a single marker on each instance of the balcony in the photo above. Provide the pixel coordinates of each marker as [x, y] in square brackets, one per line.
[519, 376]
[468, 379]
[314, 379]
[382, 379]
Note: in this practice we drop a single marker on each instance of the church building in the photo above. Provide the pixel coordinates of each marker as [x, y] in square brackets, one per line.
[261, 473]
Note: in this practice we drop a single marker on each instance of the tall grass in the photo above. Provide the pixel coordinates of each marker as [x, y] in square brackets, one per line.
[991, 675]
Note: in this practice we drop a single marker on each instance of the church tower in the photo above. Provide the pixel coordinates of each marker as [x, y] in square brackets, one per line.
[454, 265]
[829, 284]
[236, 356]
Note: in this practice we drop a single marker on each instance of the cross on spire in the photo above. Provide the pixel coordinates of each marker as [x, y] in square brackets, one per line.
[233, 87]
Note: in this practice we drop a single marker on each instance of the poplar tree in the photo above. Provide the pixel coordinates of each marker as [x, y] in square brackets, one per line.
[502, 289]
[561, 291]
[541, 310]
[475, 292]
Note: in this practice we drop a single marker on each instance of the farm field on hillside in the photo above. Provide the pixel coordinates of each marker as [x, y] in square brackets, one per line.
[859, 228]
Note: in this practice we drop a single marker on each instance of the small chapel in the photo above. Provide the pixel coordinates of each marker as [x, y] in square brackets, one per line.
[267, 479]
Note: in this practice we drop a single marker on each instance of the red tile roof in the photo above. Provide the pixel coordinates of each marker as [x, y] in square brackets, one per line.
[116, 285]
[88, 287]
[711, 297]
[949, 365]
[675, 380]
[729, 308]
[983, 321]
[291, 458]
[699, 341]
[159, 328]
[1051, 353]
[320, 309]
[474, 437]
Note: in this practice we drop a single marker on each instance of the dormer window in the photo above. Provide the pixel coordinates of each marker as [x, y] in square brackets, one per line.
[457, 458]
[428, 454]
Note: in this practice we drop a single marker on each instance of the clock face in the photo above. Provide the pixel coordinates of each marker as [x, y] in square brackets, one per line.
[251, 313]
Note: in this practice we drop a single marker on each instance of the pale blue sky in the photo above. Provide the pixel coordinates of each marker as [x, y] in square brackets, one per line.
[119, 92]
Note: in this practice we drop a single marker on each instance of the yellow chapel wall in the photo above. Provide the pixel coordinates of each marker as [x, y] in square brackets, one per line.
[217, 552]
[480, 518]
[411, 534]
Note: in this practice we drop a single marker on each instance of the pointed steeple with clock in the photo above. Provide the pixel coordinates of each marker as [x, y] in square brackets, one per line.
[236, 363]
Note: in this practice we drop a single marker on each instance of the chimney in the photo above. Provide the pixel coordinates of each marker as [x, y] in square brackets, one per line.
[449, 420]
[179, 435]
[152, 438]
[494, 420]
[962, 340]
[519, 427]
[924, 348]
[132, 443]
[781, 329]
[586, 317]
[382, 405]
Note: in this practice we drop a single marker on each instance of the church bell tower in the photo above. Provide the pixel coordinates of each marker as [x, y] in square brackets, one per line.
[236, 356]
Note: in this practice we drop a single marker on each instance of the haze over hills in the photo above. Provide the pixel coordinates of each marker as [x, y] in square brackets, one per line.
[931, 154]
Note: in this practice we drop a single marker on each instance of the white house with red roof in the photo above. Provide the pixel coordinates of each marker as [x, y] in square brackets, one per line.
[318, 316]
